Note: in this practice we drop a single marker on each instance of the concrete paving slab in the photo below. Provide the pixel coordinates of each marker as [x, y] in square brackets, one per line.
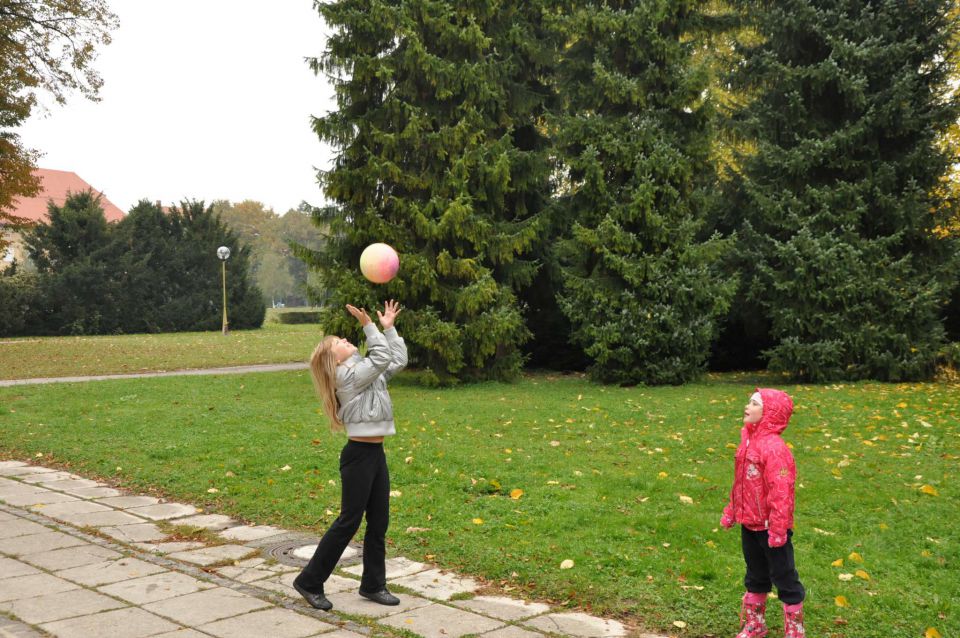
[126, 502]
[66, 604]
[32, 585]
[15, 629]
[73, 507]
[341, 633]
[150, 589]
[351, 602]
[8, 464]
[216, 554]
[112, 518]
[435, 584]
[18, 489]
[20, 470]
[206, 521]
[246, 533]
[206, 606]
[276, 623]
[43, 497]
[43, 475]
[10, 568]
[579, 625]
[164, 511]
[396, 568]
[284, 585]
[181, 633]
[440, 621]
[49, 541]
[95, 492]
[129, 623]
[512, 632]
[69, 557]
[65, 485]
[139, 533]
[110, 571]
[161, 549]
[502, 607]
[244, 574]
[21, 527]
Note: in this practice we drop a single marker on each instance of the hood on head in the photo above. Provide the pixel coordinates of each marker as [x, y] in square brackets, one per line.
[777, 408]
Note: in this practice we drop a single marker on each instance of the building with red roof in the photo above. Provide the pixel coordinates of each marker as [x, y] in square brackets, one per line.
[55, 186]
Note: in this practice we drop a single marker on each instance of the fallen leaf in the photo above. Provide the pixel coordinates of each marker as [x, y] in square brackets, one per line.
[285, 468]
[929, 489]
[686, 499]
[931, 633]
[395, 493]
[841, 601]
[566, 564]
[862, 574]
[837, 563]
[408, 460]
[212, 490]
[855, 557]
[412, 530]
[662, 475]
[516, 494]
[554, 443]
[679, 624]
[478, 521]
[845, 577]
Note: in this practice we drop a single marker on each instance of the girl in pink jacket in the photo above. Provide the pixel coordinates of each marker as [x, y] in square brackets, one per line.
[762, 502]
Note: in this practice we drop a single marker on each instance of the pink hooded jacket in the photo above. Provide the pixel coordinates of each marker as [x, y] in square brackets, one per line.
[764, 472]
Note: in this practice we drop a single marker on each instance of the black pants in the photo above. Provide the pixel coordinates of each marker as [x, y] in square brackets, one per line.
[767, 566]
[365, 488]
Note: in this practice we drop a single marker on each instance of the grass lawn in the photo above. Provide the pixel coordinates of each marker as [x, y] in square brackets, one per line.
[628, 483]
[27, 357]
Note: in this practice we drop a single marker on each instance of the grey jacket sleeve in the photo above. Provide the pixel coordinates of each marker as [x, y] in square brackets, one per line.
[370, 367]
[398, 352]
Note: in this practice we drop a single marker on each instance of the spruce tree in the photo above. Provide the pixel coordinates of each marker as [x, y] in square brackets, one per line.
[836, 206]
[640, 282]
[440, 153]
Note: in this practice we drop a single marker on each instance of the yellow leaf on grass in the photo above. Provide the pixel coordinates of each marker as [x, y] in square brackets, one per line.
[837, 563]
[662, 475]
[862, 574]
[926, 553]
[901, 405]
[566, 564]
[931, 633]
[841, 601]
[929, 489]
[855, 557]
[478, 521]
[679, 624]
[686, 499]
[516, 494]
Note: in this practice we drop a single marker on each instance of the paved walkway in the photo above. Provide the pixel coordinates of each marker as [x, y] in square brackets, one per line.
[79, 559]
[266, 367]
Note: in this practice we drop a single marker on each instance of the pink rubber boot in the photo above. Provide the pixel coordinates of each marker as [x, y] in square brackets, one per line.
[753, 621]
[793, 621]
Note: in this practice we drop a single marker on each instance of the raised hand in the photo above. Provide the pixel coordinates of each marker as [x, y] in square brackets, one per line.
[360, 314]
[390, 311]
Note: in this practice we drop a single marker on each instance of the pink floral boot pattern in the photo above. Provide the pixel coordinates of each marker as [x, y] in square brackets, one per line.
[753, 622]
[793, 621]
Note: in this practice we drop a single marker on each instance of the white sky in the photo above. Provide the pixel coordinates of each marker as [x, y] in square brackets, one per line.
[202, 99]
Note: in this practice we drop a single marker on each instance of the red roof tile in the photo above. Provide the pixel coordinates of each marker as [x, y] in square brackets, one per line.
[56, 185]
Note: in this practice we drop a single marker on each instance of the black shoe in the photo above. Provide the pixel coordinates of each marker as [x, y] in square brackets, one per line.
[383, 597]
[317, 601]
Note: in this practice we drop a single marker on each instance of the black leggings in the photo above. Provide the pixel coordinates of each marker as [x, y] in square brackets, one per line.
[365, 488]
[768, 566]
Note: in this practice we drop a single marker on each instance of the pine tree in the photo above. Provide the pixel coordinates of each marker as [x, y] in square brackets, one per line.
[641, 286]
[837, 205]
[440, 154]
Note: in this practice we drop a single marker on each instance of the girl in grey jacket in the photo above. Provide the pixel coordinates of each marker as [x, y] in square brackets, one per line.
[355, 399]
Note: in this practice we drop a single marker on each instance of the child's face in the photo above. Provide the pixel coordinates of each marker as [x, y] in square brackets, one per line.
[753, 412]
[342, 350]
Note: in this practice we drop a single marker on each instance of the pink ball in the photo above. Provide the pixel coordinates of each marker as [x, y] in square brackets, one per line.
[379, 263]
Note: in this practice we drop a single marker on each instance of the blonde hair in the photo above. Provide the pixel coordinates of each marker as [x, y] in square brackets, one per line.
[323, 369]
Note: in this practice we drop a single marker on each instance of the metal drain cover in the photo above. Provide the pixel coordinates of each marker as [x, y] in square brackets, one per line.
[298, 552]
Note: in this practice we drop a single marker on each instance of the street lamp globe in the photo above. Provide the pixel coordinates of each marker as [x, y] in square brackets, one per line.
[223, 253]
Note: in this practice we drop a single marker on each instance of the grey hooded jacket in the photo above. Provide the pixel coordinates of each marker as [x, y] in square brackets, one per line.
[365, 406]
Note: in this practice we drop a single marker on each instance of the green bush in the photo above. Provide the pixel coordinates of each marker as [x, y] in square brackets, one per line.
[19, 295]
[298, 316]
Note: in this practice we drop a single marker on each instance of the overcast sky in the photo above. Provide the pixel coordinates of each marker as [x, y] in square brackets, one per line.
[202, 99]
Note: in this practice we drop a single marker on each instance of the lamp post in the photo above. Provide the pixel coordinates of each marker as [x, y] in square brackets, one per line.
[224, 254]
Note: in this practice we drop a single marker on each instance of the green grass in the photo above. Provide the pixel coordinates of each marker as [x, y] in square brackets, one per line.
[602, 470]
[29, 357]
